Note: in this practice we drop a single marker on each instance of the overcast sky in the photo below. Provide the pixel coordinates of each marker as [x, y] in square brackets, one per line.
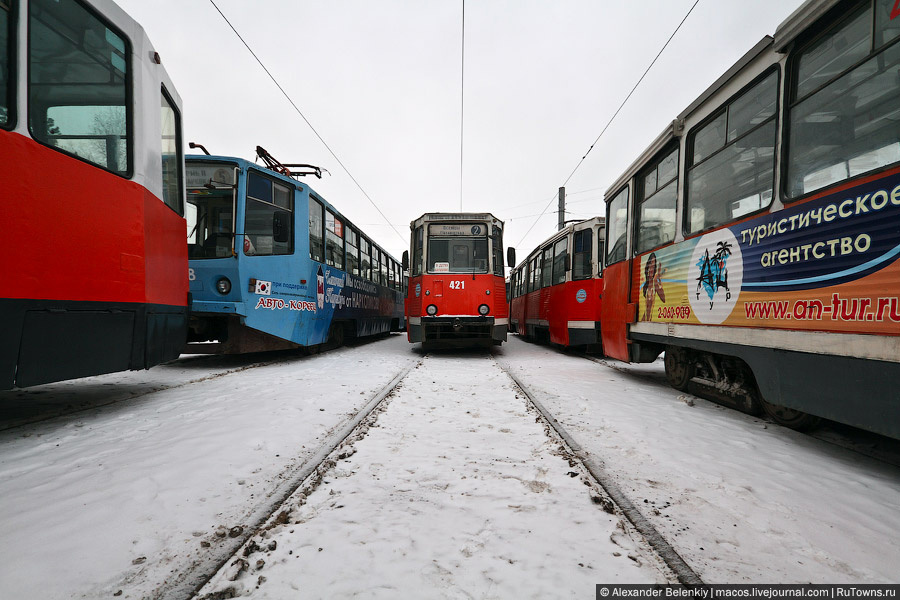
[380, 80]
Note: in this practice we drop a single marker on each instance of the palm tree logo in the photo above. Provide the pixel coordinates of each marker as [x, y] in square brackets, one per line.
[714, 272]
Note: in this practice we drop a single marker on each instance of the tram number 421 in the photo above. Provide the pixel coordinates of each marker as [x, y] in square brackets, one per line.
[457, 285]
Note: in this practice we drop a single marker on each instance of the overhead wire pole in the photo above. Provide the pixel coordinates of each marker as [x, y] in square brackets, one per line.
[299, 112]
[621, 106]
[462, 103]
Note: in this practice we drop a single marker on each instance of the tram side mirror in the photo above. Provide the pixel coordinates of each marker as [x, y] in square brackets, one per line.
[510, 257]
[405, 260]
[281, 231]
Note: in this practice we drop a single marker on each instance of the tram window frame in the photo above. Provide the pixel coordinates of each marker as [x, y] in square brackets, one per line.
[8, 63]
[168, 182]
[618, 251]
[582, 242]
[316, 212]
[262, 198]
[657, 189]
[497, 250]
[334, 240]
[761, 137]
[111, 108]
[601, 251]
[376, 265]
[418, 248]
[351, 250]
[534, 283]
[547, 266]
[365, 258]
[560, 260]
[819, 155]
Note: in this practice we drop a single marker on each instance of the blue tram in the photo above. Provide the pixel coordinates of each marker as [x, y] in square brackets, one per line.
[274, 266]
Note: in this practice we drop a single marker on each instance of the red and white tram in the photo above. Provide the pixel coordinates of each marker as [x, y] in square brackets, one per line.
[457, 289]
[557, 292]
[94, 261]
[757, 240]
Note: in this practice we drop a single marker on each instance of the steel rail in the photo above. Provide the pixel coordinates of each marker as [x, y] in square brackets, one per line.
[188, 582]
[664, 550]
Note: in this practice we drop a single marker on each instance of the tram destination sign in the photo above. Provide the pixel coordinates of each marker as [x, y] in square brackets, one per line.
[457, 229]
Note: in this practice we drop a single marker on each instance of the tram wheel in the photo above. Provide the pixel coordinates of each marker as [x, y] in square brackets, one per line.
[788, 417]
[679, 367]
[335, 336]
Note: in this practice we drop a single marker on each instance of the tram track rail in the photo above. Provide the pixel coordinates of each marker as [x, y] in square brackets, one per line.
[188, 581]
[684, 573]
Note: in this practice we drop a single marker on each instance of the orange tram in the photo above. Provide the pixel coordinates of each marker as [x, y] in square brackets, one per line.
[457, 290]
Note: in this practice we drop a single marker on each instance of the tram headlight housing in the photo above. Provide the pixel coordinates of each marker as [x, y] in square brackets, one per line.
[484, 309]
[431, 310]
[223, 286]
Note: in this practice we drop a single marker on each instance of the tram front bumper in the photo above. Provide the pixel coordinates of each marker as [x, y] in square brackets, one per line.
[456, 330]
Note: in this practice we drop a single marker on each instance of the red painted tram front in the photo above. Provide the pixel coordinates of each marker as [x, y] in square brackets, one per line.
[94, 259]
[457, 289]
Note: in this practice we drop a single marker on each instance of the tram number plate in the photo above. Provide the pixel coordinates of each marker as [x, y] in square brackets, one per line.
[457, 285]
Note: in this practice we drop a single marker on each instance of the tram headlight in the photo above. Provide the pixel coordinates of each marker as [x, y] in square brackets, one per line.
[431, 310]
[223, 285]
[484, 309]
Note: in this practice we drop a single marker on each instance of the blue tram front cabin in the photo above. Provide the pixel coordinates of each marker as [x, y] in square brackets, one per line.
[274, 266]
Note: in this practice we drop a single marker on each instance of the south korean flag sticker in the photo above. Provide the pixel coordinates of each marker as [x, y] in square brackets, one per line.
[263, 288]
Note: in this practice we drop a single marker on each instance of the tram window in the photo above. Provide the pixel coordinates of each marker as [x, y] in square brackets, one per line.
[497, 250]
[316, 227]
[656, 205]
[834, 53]
[560, 254]
[376, 265]
[172, 176]
[739, 177]
[617, 226]
[849, 123]
[887, 25]
[418, 248]
[601, 251]
[534, 274]
[457, 255]
[581, 254]
[334, 240]
[268, 218]
[78, 85]
[365, 262]
[352, 251]
[547, 267]
[7, 60]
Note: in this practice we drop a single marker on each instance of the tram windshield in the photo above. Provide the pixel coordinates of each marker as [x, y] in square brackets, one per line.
[458, 248]
[210, 210]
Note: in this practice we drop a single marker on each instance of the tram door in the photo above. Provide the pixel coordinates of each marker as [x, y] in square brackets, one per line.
[618, 311]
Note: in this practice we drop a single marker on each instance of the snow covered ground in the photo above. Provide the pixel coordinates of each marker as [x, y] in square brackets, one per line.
[128, 495]
[742, 500]
[455, 492]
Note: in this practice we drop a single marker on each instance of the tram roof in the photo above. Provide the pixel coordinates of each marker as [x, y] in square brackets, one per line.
[427, 217]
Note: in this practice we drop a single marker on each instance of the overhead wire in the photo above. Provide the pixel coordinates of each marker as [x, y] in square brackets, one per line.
[618, 110]
[462, 103]
[313, 129]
